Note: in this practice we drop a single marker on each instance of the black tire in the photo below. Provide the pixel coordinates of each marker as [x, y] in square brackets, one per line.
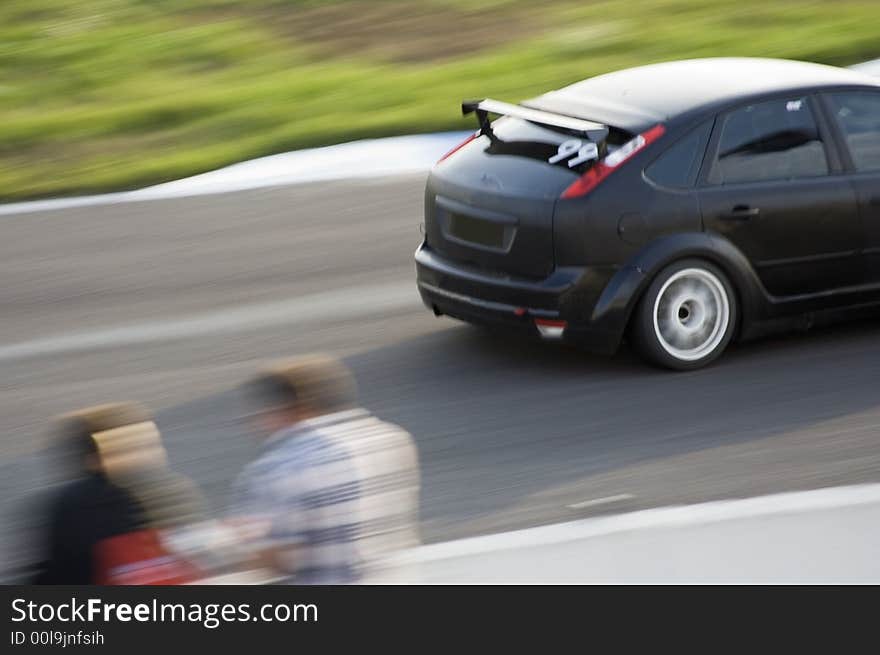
[697, 301]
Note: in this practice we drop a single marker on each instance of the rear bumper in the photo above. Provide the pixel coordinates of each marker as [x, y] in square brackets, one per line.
[568, 294]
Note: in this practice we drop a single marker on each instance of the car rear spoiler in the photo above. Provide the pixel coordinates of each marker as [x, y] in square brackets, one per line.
[594, 131]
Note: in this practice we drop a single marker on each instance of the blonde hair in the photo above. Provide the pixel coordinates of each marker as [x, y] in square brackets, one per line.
[320, 382]
[122, 435]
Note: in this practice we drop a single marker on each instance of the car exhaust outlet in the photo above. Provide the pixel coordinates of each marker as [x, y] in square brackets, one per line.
[549, 329]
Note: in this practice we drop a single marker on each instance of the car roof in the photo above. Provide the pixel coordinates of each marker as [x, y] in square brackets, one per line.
[869, 67]
[636, 98]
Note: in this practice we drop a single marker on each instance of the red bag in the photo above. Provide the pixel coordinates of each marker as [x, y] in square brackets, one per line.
[140, 558]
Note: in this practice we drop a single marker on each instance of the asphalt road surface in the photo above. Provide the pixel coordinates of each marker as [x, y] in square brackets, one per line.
[175, 302]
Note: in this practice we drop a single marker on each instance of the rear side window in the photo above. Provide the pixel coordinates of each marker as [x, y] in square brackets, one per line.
[680, 164]
[858, 115]
[774, 140]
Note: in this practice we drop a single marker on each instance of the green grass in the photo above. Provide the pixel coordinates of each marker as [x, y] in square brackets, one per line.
[104, 95]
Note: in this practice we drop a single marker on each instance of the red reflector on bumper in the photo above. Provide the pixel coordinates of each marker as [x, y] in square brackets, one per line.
[550, 329]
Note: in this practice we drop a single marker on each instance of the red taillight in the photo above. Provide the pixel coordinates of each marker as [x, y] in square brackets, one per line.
[602, 169]
[459, 146]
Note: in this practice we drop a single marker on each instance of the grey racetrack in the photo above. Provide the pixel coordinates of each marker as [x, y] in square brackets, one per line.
[175, 302]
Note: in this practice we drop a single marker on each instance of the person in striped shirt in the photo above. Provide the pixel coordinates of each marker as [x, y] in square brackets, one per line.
[333, 497]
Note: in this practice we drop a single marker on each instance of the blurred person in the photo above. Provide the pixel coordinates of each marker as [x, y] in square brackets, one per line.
[123, 489]
[333, 498]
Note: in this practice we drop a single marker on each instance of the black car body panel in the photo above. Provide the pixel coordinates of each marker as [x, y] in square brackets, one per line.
[505, 245]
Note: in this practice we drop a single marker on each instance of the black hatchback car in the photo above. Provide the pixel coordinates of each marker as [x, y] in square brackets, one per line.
[681, 205]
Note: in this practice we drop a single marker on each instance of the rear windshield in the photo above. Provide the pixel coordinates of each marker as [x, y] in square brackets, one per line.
[554, 146]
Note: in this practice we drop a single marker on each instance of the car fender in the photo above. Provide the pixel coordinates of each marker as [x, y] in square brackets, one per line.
[620, 296]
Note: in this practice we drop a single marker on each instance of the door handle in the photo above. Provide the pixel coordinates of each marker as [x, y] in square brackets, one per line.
[740, 213]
